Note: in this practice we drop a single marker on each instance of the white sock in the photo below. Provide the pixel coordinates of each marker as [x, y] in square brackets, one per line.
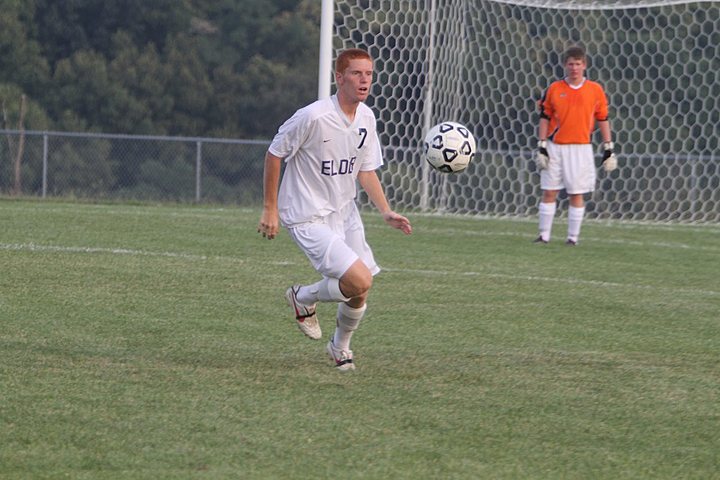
[326, 290]
[546, 214]
[348, 319]
[575, 218]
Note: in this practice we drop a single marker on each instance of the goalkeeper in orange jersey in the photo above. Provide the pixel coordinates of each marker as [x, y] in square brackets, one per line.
[569, 111]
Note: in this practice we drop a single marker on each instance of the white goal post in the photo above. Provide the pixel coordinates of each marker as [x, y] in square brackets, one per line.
[485, 64]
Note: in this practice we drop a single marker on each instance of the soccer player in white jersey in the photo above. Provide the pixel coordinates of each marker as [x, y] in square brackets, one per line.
[328, 146]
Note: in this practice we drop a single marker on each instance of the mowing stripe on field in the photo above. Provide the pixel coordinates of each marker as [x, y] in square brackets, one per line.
[31, 247]
[371, 218]
[614, 241]
[569, 281]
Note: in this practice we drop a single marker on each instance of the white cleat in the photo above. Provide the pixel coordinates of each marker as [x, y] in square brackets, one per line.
[343, 358]
[307, 320]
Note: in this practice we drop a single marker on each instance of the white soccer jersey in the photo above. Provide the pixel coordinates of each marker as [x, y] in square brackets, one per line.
[323, 152]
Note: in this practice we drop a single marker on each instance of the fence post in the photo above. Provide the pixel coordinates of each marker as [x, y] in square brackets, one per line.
[198, 165]
[44, 165]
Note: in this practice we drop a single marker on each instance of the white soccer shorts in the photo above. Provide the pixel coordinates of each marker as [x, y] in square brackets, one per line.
[572, 167]
[334, 243]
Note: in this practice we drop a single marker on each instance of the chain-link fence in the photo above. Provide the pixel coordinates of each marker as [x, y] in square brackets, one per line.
[131, 167]
[225, 171]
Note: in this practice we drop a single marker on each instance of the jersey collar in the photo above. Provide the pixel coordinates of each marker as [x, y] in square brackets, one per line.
[340, 112]
[575, 87]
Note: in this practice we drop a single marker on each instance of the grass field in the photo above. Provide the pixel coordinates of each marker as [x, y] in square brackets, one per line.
[153, 342]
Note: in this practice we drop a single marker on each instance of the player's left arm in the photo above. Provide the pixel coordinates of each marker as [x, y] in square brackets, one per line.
[370, 182]
[609, 160]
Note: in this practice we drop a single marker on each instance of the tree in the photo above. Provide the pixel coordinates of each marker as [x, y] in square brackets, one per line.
[21, 60]
[64, 28]
[177, 67]
[83, 85]
[17, 112]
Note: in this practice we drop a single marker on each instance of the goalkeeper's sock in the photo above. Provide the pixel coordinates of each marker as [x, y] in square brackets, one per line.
[575, 218]
[546, 214]
[348, 319]
[326, 290]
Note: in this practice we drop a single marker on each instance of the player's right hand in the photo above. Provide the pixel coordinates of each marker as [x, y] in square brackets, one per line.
[542, 159]
[269, 224]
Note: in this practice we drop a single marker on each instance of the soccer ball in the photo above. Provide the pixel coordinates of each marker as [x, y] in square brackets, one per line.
[449, 147]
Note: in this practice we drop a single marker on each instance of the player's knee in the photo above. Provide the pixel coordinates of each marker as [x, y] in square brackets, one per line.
[356, 282]
[549, 196]
[364, 283]
[359, 287]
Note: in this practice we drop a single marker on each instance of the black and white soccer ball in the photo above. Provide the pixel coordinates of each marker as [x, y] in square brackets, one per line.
[449, 147]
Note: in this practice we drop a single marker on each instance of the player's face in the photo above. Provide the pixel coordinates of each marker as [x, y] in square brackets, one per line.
[354, 83]
[575, 69]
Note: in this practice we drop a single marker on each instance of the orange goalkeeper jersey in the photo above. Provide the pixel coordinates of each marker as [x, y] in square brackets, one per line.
[573, 111]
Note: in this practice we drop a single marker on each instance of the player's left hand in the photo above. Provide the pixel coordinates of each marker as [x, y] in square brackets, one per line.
[609, 161]
[396, 220]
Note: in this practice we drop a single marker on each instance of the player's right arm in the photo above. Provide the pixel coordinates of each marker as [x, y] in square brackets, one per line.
[542, 159]
[270, 219]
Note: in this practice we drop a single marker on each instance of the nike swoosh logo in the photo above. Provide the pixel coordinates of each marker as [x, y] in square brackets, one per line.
[325, 141]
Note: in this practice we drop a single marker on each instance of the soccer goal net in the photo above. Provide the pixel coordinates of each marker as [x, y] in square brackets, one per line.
[486, 63]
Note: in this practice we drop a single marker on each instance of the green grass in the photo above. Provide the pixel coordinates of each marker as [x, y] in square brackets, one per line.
[148, 342]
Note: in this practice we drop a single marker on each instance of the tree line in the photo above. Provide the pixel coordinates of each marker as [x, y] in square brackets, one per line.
[216, 68]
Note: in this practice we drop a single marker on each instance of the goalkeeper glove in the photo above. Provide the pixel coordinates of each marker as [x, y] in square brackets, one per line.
[609, 161]
[542, 159]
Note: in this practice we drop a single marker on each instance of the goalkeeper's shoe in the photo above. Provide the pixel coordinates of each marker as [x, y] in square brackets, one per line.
[570, 242]
[305, 315]
[343, 358]
[540, 239]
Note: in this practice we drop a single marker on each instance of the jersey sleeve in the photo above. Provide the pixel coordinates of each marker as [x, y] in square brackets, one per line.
[291, 135]
[373, 157]
[545, 105]
[601, 107]
[371, 151]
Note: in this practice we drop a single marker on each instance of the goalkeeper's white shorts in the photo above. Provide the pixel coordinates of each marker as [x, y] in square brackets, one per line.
[571, 167]
[334, 242]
